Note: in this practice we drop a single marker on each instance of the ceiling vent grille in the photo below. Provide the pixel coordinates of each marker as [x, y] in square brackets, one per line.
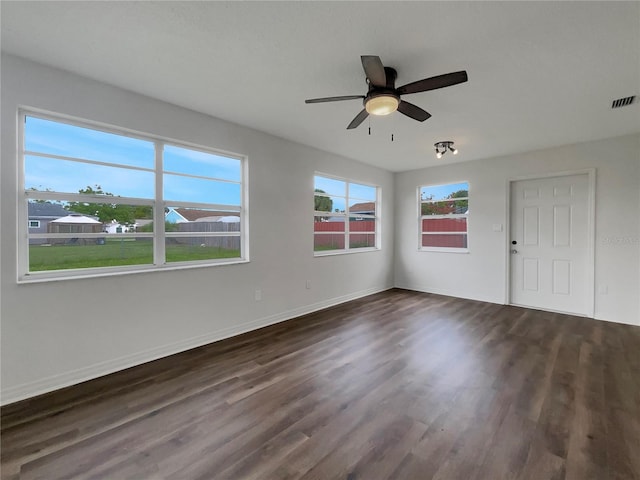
[623, 102]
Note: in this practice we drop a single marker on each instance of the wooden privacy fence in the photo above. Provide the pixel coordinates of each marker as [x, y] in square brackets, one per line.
[337, 240]
[231, 242]
[433, 226]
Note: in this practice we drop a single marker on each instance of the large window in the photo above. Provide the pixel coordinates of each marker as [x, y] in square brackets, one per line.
[444, 215]
[346, 216]
[109, 201]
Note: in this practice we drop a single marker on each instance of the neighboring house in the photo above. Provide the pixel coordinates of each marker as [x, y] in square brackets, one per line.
[115, 227]
[184, 215]
[40, 214]
[366, 208]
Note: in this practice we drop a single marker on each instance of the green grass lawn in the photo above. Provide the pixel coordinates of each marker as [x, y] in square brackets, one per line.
[117, 253]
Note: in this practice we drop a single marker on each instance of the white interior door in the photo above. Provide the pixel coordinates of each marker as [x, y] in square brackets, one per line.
[550, 244]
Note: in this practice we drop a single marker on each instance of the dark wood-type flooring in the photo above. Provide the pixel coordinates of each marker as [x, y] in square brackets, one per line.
[397, 385]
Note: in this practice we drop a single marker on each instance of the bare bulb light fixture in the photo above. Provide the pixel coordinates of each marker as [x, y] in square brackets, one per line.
[443, 147]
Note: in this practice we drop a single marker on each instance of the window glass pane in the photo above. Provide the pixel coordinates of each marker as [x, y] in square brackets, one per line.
[443, 192]
[362, 192]
[362, 240]
[359, 207]
[444, 225]
[322, 203]
[198, 190]
[176, 215]
[45, 136]
[85, 217]
[330, 203]
[187, 249]
[331, 186]
[333, 224]
[324, 241]
[194, 162]
[206, 224]
[47, 174]
[76, 252]
[448, 207]
[445, 240]
[364, 225]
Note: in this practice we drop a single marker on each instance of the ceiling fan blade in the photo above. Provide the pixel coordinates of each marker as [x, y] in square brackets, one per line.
[413, 111]
[374, 70]
[433, 83]
[334, 99]
[358, 120]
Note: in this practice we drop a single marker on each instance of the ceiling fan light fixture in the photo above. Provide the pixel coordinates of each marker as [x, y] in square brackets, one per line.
[382, 105]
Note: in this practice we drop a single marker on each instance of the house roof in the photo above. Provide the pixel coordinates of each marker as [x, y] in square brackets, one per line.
[52, 210]
[192, 214]
[75, 218]
[541, 74]
[363, 207]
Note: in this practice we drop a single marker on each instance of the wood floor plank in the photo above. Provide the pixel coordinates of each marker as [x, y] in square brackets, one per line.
[397, 385]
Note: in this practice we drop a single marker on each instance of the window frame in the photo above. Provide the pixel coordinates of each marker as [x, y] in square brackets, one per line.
[422, 217]
[157, 202]
[346, 233]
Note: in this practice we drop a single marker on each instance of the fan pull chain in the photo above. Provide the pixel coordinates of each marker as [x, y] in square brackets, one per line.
[369, 120]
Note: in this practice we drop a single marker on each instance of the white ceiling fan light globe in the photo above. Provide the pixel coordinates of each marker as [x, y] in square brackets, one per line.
[382, 105]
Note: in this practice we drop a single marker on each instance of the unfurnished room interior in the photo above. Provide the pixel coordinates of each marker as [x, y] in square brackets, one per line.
[320, 240]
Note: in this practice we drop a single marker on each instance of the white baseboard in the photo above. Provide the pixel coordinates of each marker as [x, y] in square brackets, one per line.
[55, 382]
[448, 293]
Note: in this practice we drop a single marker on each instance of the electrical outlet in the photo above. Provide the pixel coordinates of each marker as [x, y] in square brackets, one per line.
[258, 295]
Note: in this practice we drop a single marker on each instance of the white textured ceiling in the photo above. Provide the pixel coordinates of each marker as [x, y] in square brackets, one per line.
[541, 74]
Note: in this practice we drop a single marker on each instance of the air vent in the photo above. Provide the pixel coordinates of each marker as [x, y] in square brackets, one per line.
[623, 102]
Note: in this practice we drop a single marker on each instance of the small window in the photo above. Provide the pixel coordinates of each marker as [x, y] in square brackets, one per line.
[444, 214]
[99, 189]
[346, 216]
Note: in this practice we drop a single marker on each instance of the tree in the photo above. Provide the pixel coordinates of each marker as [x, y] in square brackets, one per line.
[322, 203]
[448, 205]
[107, 212]
[38, 200]
[461, 206]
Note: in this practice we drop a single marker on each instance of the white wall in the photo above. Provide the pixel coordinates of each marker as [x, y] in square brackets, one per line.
[59, 333]
[481, 274]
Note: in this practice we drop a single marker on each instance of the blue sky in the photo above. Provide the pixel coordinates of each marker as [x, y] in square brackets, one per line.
[44, 136]
[337, 190]
[441, 192]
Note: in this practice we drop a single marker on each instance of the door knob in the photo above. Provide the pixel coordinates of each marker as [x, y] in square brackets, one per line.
[514, 251]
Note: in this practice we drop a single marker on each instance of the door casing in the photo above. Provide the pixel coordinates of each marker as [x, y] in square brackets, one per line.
[591, 210]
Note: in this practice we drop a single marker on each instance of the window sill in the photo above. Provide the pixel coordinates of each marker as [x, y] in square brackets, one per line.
[328, 253]
[60, 275]
[444, 250]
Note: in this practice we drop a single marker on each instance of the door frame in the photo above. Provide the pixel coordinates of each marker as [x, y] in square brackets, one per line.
[591, 231]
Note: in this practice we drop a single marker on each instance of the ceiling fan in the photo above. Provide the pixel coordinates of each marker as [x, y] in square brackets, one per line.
[383, 97]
